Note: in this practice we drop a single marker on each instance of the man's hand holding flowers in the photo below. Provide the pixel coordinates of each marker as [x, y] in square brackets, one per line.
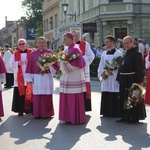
[111, 66]
[65, 57]
[45, 61]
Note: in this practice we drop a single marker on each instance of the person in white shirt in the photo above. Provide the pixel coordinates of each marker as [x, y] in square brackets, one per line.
[99, 52]
[141, 47]
[110, 103]
[10, 73]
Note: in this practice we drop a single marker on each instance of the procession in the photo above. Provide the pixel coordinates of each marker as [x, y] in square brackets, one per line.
[75, 83]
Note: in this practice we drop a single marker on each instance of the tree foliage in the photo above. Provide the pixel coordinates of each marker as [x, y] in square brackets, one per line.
[33, 11]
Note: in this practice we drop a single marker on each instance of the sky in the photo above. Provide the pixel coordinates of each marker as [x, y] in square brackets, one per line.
[12, 9]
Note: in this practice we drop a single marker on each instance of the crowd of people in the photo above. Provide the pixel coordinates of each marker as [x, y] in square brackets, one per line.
[33, 90]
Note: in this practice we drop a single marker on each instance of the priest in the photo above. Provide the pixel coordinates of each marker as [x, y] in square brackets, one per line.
[88, 56]
[72, 85]
[42, 83]
[18, 63]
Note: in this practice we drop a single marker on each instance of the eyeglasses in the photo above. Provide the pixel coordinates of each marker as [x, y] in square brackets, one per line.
[21, 44]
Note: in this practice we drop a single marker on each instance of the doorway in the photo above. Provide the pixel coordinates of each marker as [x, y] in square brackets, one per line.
[120, 33]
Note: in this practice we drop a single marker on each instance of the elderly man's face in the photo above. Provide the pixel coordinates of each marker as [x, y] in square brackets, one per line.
[76, 36]
[127, 43]
[22, 45]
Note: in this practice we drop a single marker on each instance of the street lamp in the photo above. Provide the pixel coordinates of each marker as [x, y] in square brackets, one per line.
[65, 8]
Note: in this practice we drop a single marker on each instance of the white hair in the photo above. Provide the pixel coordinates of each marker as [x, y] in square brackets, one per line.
[22, 40]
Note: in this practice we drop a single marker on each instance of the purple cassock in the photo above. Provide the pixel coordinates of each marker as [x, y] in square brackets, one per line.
[2, 80]
[42, 85]
[72, 88]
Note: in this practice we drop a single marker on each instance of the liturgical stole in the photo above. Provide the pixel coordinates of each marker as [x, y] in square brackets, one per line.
[82, 46]
[20, 77]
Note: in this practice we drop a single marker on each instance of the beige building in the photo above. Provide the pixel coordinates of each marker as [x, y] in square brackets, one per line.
[50, 12]
[98, 18]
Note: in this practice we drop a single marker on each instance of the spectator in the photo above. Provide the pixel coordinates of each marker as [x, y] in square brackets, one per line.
[141, 47]
[10, 73]
[93, 49]
[99, 52]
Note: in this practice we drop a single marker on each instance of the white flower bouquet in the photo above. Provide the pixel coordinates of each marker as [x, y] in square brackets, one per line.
[65, 57]
[46, 60]
[112, 65]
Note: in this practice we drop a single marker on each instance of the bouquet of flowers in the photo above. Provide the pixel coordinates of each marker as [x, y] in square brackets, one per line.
[135, 96]
[65, 57]
[112, 65]
[46, 60]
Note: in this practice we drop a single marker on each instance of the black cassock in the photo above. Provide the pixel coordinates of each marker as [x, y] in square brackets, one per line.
[110, 104]
[131, 71]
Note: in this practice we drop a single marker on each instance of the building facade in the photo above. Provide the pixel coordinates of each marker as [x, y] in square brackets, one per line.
[103, 17]
[50, 12]
[12, 31]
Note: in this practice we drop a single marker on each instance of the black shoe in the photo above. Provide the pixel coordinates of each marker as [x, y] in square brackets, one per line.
[120, 120]
[37, 117]
[20, 114]
[7, 87]
[0, 120]
[68, 123]
[133, 121]
[46, 117]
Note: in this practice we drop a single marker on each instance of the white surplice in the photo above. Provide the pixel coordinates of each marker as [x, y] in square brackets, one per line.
[42, 84]
[14, 66]
[88, 58]
[109, 84]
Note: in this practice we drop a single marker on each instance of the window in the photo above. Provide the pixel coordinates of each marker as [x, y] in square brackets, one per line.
[83, 5]
[15, 41]
[56, 21]
[115, 0]
[51, 23]
[79, 7]
[44, 26]
[47, 25]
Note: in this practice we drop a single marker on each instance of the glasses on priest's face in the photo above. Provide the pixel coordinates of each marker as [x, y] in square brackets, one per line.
[21, 44]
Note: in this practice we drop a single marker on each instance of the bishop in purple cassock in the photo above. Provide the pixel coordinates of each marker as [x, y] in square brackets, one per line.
[72, 85]
[42, 83]
[2, 80]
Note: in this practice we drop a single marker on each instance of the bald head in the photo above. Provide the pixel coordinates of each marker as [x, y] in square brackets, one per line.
[127, 37]
[127, 42]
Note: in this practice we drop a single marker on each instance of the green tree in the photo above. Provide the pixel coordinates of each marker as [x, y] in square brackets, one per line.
[34, 14]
